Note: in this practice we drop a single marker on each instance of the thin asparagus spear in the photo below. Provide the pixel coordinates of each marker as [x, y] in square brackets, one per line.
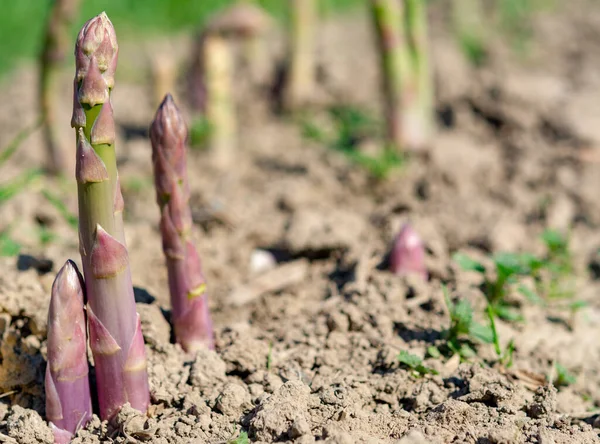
[191, 317]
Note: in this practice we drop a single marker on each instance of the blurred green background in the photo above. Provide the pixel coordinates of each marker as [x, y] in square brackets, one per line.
[22, 22]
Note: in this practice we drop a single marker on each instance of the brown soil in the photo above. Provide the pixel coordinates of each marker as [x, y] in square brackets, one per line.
[307, 351]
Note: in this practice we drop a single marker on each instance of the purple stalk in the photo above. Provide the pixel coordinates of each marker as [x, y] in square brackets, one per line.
[191, 317]
[115, 332]
[408, 254]
[68, 402]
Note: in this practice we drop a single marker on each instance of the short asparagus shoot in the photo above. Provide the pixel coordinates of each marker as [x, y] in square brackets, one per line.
[408, 254]
[187, 286]
[115, 331]
[68, 401]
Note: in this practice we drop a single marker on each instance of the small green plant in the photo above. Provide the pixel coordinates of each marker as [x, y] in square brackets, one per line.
[241, 439]
[8, 247]
[14, 145]
[60, 206]
[11, 189]
[351, 127]
[505, 357]
[508, 268]
[563, 377]
[559, 265]
[415, 364]
[464, 330]
[200, 131]
[45, 235]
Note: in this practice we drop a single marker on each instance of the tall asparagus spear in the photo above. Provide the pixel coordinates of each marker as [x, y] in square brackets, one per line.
[401, 30]
[115, 332]
[394, 51]
[419, 114]
[301, 69]
[68, 402]
[191, 317]
[53, 53]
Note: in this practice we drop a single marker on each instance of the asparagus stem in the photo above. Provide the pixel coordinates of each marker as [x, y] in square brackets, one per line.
[419, 119]
[401, 30]
[220, 109]
[408, 254]
[115, 333]
[394, 51]
[301, 68]
[68, 401]
[53, 53]
[191, 317]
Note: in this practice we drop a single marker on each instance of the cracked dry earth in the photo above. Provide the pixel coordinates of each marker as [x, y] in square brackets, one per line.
[306, 348]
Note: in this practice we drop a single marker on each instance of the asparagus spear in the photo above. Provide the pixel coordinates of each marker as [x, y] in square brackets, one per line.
[68, 402]
[418, 122]
[301, 68]
[115, 331]
[191, 317]
[53, 53]
[401, 30]
[394, 51]
[408, 253]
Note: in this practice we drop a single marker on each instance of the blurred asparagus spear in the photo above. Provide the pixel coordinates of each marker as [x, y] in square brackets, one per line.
[191, 317]
[388, 20]
[408, 253]
[401, 32]
[301, 66]
[56, 42]
[115, 330]
[68, 401]
[212, 74]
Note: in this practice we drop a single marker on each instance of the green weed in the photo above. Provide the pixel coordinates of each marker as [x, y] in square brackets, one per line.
[60, 206]
[463, 330]
[505, 357]
[415, 364]
[8, 247]
[563, 377]
[242, 439]
[508, 268]
[351, 127]
[11, 189]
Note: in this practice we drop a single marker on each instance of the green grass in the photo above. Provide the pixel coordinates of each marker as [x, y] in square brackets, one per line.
[22, 22]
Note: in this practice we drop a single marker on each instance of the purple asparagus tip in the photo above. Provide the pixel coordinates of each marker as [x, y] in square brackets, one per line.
[68, 402]
[408, 253]
[191, 317]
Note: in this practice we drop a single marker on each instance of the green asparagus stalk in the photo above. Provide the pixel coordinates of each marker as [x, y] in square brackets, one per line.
[220, 108]
[419, 114]
[115, 331]
[68, 401]
[301, 67]
[190, 314]
[401, 29]
[56, 42]
[395, 58]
